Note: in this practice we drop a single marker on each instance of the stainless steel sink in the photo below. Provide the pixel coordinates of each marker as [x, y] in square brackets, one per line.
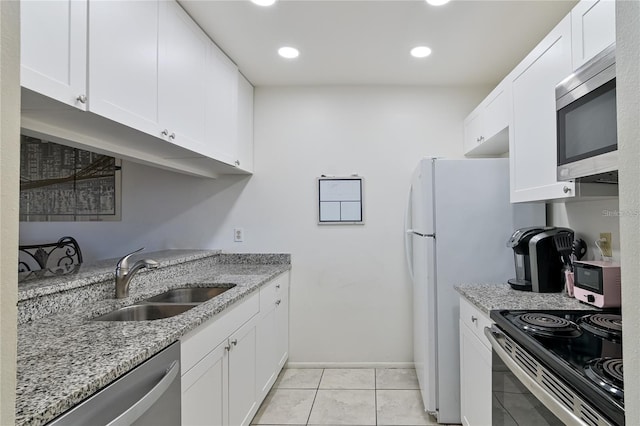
[145, 312]
[189, 294]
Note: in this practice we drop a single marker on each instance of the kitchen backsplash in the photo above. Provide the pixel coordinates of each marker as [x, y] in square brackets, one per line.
[588, 219]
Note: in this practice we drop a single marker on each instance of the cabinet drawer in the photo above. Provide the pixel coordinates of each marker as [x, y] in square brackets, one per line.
[475, 319]
[199, 342]
[274, 291]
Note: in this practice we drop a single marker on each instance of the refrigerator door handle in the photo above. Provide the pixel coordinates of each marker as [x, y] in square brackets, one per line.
[407, 241]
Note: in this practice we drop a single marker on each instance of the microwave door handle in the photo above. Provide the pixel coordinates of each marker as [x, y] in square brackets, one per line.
[495, 335]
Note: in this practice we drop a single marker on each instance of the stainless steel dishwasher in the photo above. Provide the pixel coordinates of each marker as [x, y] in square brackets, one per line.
[147, 395]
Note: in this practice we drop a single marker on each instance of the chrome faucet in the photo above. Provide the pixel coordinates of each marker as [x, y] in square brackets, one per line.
[124, 273]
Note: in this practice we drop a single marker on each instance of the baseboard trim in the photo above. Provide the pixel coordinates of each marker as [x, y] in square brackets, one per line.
[291, 364]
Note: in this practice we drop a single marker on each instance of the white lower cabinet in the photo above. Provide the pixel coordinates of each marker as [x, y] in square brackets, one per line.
[204, 396]
[243, 400]
[272, 333]
[230, 362]
[475, 367]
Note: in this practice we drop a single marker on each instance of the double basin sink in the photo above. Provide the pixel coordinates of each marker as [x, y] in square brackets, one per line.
[168, 304]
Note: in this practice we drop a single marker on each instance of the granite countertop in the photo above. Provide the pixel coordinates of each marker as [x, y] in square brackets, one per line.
[65, 357]
[501, 296]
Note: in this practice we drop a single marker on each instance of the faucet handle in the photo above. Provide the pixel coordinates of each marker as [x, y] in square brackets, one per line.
[124, 262]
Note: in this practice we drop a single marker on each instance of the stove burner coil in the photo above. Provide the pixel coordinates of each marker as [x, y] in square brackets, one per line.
[608, 326]
[548, 325]
[607, 373]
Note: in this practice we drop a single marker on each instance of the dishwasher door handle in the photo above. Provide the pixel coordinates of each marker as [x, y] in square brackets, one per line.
[135, 411]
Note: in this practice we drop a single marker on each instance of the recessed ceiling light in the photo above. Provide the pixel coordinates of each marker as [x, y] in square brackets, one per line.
[437, 2]
[288, 52]
[263, 2]
[420, 52]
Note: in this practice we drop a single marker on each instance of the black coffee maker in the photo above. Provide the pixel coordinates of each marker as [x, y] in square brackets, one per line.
[538, 263]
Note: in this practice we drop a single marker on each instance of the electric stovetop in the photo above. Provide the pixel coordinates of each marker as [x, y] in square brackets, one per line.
[584, 348]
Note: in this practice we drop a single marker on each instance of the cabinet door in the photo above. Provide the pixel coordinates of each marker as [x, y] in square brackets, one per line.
[267, 361]
[123, 65]
[204, 390]
[496, 113]
[533, 153]
[222, 107]
[245, 124]
[182, 78]
[475, 379]
[282, 328]
[242, 374]
[473, 129]
[53, 51]
[593, 27]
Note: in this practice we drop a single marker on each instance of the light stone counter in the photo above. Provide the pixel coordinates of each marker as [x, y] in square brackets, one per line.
[501, 296]
[64, 357]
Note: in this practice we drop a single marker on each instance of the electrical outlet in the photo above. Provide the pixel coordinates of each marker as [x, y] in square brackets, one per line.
[238, 235]
[605, 244]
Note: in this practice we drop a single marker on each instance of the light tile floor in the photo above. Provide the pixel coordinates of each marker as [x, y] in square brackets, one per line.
[363, 396]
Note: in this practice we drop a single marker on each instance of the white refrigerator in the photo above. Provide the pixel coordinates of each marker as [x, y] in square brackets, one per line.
[459, 219]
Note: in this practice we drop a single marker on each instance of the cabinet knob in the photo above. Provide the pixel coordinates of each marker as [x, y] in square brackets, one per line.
[566, 189]
[278, 302]
[277, 285]
[82, 99]
[237, 162]
[227, 348]
[165, 132]
[474, 319]
[234, 342]
[172, 136]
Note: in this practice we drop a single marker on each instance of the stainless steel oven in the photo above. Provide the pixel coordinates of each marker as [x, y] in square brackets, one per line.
[557, 367]
[587, 137]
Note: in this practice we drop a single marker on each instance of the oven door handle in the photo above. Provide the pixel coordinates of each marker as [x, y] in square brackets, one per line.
[495, 335]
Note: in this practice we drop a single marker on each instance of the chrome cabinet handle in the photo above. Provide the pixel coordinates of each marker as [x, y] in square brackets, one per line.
[278, 302]
[234, 342]
[227, 348]
[474, 319]
[566, 189]
[172, 136]
[277, 285]
[82, 99]
[237, 162]
[165, 132]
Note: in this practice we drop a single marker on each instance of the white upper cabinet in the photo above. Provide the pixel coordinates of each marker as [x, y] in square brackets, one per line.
[245, 124]
[54, 49]
[182, 97]
[485, 129]
[593, 27]
[123, 62]
[532, 136]
[222, 105]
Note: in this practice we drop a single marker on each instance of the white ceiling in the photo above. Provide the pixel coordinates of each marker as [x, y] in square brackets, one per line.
[345, 42]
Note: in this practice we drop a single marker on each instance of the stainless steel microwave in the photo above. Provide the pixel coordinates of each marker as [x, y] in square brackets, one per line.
[586, 121]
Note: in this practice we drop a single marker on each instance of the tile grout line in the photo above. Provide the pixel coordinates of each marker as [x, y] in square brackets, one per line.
[375, 393]
[315, 396]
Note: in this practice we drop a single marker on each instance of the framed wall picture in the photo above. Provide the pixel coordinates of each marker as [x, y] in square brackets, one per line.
[340, 200]
[62, 183]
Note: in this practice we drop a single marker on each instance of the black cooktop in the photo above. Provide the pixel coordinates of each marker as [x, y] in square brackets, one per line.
[582, 347]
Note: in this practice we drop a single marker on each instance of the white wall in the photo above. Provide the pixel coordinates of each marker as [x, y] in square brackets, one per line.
[588, 219]
[350, 294]
[628, 103]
